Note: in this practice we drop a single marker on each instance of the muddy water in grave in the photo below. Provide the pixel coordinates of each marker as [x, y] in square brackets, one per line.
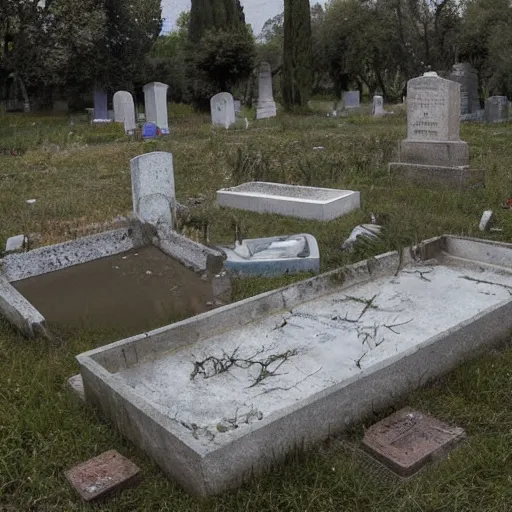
[131, 292]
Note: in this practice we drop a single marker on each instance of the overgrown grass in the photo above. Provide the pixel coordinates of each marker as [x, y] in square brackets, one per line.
[84, 178]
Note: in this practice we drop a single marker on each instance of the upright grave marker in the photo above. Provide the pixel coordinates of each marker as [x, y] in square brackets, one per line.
[496, 109]
[378, 106]
[153, 192]
[351, 99]
[266, 105]
[100, 105]
[124, 111]
[433, 151]
[464, 74]
[155, 100]
[223, 110]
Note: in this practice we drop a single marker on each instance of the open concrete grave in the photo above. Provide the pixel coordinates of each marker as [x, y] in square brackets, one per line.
[134, 277]
[139, 276]
[217, 397]
[296, 201]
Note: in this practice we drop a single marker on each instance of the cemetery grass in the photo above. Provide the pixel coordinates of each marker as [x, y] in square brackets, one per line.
[80, 176]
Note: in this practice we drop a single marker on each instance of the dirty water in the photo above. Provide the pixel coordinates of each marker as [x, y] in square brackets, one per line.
[135, 291]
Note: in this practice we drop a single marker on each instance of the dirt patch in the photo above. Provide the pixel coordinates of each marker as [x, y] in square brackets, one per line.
[138, 290]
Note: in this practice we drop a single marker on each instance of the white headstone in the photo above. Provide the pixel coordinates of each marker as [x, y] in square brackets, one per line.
[223, 110]
[351, 99]
[155, 100]
[378, 106]
[119, 98]
[153, 192]
[266, 105]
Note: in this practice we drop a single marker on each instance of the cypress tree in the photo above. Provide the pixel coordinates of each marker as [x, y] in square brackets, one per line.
[297, 54]
[206, 15]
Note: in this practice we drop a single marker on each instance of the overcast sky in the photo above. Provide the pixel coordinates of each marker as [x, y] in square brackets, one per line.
[257, 12]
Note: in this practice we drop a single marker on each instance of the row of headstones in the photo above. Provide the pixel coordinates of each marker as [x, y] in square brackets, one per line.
[155, 103]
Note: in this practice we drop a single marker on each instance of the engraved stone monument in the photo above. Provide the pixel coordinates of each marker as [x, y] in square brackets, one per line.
[266, 105]
[155, 101]
[223, 110]
[464, 74]
[433, 151]
[496, 109]
[378, 106]
[153, 191]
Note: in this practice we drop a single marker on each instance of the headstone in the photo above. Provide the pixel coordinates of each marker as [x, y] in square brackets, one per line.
[496, 109]
[266, 104]
[124, 111]
[464, 74]
[15, 243]
[223, 110]
[102, 475]
[153, 192]
[433, 151]
[100, 105]
[149, 130]
[378, 106]
[120, 99]
[351, 99]
[155, 100]
[238, 108]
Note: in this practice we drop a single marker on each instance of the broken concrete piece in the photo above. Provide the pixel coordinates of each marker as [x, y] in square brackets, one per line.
[102, 475]
[408, 440]
[368, 231]
[15, 243]
[76, 384]
[486, 220]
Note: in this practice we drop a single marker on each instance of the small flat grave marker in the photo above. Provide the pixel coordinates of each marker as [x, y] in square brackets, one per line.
[407, 440]
[102, 475]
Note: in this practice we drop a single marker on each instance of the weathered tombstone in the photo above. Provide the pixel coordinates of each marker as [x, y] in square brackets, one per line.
[130, 124]
[266, 104]
[238, 107]
[155, 100]
[496, 109]
[100, 105]
[120, 97]
[378, 106]
[433, 150]
[351, 99]
[153, 191]
[464, 74]
[223, 110]
[149, 130]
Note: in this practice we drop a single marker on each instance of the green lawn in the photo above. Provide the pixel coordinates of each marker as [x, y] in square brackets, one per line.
[80, 176]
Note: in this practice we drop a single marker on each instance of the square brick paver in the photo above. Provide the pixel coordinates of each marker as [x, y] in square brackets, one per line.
[102, 475]
[407, 440]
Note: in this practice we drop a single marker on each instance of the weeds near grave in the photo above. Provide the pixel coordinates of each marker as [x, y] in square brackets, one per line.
[267, 367]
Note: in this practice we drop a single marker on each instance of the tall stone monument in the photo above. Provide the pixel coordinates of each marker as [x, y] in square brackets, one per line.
[467, 76]
[496, 109]
[223, 110]
[433, 151]
[266, 104]
[100, 105]
[155, 102]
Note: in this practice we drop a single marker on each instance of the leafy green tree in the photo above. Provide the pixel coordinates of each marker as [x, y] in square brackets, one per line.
[297, 75]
